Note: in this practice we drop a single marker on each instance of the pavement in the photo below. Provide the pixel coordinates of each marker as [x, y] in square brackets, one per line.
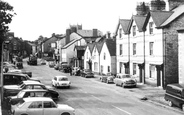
[151, 94]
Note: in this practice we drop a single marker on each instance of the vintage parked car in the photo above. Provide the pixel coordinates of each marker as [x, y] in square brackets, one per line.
[51, 64]
[125, 80]
[61, 81]
[57, 66]
[31, 93]
[174, 94]
[20, 71]
[16, 78]
[41, 106]
[87, 73]
[12, 90]
[107, 78]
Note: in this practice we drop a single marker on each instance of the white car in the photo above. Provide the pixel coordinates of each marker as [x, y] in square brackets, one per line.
[61, 81]
[41, 106]
[125, 80]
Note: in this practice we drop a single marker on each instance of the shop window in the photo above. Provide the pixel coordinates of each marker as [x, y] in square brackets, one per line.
[134, 68]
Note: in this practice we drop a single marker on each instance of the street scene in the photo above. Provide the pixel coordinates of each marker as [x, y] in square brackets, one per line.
[126, 62]
[90, 96]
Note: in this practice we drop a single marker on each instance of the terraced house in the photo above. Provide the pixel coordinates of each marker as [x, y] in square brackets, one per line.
[147, 44]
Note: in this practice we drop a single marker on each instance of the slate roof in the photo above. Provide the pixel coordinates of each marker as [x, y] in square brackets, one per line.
[99, 46]
[91, 46]
[80, 47]
[69, 44]
[176, 13]
[111, 45]
[160, 16]
[124, 23]
[88, 33]
[140, 21]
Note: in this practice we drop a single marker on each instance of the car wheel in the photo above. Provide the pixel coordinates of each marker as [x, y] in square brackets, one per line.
[122, 85]
[170, 103]
[65, 114]
[68, 86]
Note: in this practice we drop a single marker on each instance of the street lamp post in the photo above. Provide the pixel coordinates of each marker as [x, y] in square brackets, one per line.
[1, 82]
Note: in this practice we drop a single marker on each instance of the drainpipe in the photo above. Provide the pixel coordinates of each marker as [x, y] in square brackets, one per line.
[164, 56]
[129, 52]
[144, 81]
[99, 64]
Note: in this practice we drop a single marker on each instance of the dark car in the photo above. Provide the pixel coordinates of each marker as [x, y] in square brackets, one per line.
[87, 73]
[15, 78]
[29, 73]
[31, 93]
[12, 90]
[175, 95]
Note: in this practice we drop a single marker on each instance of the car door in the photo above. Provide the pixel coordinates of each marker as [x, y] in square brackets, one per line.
[35, 108]
[117, 80]
[50, 107]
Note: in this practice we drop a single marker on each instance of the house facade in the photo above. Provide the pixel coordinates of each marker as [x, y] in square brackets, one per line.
[108, 57]
[153, 40]
[87, 55]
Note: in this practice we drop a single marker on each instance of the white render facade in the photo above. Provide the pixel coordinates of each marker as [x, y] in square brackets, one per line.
[139, 47]
[105, 60]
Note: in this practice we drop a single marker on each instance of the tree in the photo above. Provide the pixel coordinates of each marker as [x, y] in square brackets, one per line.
[6, 14]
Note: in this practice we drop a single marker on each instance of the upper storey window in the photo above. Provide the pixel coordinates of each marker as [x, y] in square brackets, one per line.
[120, 33]
[151, 27]
[134, 30]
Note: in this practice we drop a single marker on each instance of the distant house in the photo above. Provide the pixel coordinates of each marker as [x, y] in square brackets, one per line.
[77, 37]
[49, 46]
[87, 55]
[108, 57]
[95, 58]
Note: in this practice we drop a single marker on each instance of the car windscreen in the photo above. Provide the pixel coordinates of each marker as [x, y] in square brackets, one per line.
[126, 76]
[63, 79]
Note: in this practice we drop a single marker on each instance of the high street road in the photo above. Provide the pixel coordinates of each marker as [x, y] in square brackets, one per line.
[89, 96]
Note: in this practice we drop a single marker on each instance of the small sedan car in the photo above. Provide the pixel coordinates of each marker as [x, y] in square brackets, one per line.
[108, 78]
[41, 106]
[30, 93]
[87, 73]
[12, 90]
[125, 80]
[61, 81]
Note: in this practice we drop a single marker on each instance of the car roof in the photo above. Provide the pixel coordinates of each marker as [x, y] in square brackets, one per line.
[31, 82]
[15, 73]
[37, 99]
[61, 76]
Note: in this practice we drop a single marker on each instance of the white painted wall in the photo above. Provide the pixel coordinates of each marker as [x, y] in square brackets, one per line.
[107, 61]
[95, 59]
[87, 56]
[181, 57]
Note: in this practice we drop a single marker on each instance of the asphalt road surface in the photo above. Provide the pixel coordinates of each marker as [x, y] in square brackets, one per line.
[89, 96]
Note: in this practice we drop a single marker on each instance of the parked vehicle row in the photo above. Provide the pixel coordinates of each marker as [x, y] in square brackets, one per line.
[25, 95]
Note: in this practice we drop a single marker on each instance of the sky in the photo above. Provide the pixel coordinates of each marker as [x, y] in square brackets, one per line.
[44, 17]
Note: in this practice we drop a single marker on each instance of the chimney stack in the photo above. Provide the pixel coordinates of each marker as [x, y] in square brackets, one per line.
[158, 5]
[142, 8]
[95, 32]
[175, 3]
